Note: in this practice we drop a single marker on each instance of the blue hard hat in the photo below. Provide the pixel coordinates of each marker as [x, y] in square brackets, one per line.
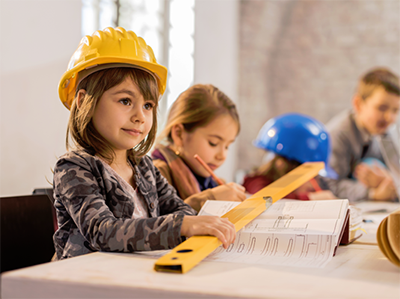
[297, 137]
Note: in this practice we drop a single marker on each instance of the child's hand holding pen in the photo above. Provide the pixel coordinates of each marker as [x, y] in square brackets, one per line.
[230, 191]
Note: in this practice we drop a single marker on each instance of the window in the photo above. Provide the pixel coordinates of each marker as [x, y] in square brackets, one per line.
[166, 25]
[181, 48]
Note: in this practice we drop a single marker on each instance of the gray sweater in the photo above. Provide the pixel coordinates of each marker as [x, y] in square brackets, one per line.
[348, 142]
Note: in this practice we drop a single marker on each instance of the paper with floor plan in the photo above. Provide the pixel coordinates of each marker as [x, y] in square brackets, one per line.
[290, 232]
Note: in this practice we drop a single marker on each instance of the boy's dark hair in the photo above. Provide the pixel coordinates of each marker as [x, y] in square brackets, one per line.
[376, 78]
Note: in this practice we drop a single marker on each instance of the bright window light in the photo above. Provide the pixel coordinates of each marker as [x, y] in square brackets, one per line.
[181, 50]
[166, 25]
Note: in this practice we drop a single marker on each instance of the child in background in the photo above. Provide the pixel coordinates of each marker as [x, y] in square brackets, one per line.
[108, 194]
[292, 139]
[202, 121]
[355, 137]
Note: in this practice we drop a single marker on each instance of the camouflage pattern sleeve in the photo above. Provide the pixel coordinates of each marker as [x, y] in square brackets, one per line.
[95, 214]
[169, 201]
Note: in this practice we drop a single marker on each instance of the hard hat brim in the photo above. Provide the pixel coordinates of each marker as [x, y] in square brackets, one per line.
[67, 85]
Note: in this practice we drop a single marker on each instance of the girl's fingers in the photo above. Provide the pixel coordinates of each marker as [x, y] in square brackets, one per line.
[221, 228]
[242, 196]
[241, 188]
[240, 192]
[228, 230]
[219, 234]
[224, 235]
[236, 186]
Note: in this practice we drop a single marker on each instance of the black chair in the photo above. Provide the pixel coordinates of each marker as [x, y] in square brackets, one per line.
[49, 193]
[26, 231]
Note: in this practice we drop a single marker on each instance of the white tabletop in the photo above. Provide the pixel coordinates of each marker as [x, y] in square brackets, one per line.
[357, 271]
[373, 213]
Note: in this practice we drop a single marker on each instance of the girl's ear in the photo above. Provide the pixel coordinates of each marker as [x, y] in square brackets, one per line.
[79, 98]
[177, 132]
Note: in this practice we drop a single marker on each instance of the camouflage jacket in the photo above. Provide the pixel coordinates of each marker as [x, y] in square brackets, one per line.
[94, 213]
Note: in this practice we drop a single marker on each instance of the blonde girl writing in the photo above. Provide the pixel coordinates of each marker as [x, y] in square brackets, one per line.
[203, 121]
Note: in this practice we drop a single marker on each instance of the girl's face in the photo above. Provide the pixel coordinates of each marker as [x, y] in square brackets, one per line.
[210, 142]
[122, 116]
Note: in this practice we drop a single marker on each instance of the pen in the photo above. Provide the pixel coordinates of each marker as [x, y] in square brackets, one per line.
[315, 185]
[219, 182]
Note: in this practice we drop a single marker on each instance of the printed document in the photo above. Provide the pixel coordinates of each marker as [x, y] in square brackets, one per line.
[290, 232]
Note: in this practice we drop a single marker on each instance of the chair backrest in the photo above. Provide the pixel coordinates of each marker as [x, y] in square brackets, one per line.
[26, 226]
[49, 193]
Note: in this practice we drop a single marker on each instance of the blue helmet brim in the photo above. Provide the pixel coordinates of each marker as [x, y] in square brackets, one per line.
[328, 172]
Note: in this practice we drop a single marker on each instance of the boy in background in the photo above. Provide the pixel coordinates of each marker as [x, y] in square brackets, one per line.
[355, 138]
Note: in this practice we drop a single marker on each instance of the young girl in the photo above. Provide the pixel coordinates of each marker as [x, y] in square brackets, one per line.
[292, 139]
[108, 194]
[203, 121]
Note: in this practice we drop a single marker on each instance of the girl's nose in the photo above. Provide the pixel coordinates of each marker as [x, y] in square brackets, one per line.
[138, 115]
[222, 153]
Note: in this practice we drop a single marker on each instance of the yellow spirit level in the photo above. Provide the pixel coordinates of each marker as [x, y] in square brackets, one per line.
[189, 253]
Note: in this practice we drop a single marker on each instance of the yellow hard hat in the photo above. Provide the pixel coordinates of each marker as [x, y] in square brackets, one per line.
[109, 47]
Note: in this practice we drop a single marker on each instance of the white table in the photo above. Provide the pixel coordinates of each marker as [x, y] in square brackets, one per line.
[357, 271]
[374, 213]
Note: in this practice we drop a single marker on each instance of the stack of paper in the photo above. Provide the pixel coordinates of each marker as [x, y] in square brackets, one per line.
[373, 212]
[356, 223]
[290, 232]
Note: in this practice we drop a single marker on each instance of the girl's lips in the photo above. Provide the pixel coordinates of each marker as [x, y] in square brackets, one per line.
[212, 166]
[132, 132]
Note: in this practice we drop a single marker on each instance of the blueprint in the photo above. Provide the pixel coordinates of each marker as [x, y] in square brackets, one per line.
[290, 232]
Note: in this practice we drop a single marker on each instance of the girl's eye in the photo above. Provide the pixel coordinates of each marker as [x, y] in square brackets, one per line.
[125, 102]
[212, 144]
[148, 106]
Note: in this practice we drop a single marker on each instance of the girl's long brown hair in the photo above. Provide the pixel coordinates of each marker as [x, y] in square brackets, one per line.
[80, 126]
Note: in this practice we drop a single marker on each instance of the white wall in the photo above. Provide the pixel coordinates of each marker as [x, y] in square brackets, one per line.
[37, 40]
[216, 56]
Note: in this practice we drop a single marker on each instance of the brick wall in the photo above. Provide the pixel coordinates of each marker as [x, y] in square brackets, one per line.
[306, 57]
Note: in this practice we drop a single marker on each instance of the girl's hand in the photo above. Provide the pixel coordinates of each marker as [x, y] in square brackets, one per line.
[230, 191]
[216, 226]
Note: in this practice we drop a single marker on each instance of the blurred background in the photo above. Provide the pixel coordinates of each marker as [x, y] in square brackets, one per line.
[270, 57]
